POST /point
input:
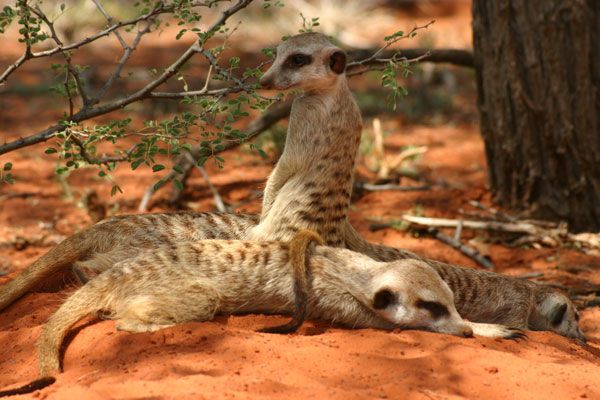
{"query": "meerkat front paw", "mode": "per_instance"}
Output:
(497, 331)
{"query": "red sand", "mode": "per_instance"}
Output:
(226, 358)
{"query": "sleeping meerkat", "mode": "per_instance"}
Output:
(194, 281)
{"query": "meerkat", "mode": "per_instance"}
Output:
(193, 281)
(309, 188)
(311, 184)
(120, 237)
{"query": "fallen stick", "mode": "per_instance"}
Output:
(389, 186)
(516, 227)
(469, 251)
(492, 211)
(530, 275)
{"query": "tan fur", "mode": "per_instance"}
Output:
(309, 188)
(302, 277)
(195, 280)
(114, 239)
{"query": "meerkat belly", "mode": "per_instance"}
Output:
(307, 201)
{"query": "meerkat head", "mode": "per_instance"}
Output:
(409, 293)
(557, 313)
(307, 61)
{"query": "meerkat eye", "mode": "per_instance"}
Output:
(299, 60)
(436, 309)
(383, 299)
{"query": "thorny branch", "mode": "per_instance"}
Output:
(90, 108)
(89, 112)
(28, 54)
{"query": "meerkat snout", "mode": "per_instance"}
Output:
(308, 61)
(411, 295)
(557, 313)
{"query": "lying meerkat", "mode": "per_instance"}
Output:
(311, 62)
(194, 281)
(120, 237)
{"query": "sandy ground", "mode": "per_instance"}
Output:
(226, 358)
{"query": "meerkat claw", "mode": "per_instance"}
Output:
(516, 334)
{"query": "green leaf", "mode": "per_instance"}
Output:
(159, 184)
(50, 150)
(177, 183)
(8, 166)
(158, 167)
(115, 189)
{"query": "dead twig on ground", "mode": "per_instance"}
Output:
(542, 232)
(469, 251)
(530, 275)
(388, 186)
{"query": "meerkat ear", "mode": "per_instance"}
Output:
(557, 314)
(337, 61)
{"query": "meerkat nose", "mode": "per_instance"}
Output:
(266, 82)
(467, 332)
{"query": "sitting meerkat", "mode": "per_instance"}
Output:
(194, 281)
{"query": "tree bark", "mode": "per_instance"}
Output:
(538, 75)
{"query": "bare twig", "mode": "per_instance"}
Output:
(458, 231)
(46, 53)
(376, 188)
(110, 21)
(463, 248)
(376, 55)
(530, 275)
(458, 57)
(493, 211)
(67, 56)
(128, 50)
(379, 64)
(90, 112)
(544, 232)
(219, 203)
(517, 227)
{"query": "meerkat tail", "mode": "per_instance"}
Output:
(32, 386)
(299, 248)
(86, 300)
(59, 257)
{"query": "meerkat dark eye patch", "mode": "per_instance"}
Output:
(557, 314)
(298, 60)
(436, 309)
(383, 299)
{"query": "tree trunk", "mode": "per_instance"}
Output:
(538, 78)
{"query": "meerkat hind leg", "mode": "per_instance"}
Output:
(151, 312)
